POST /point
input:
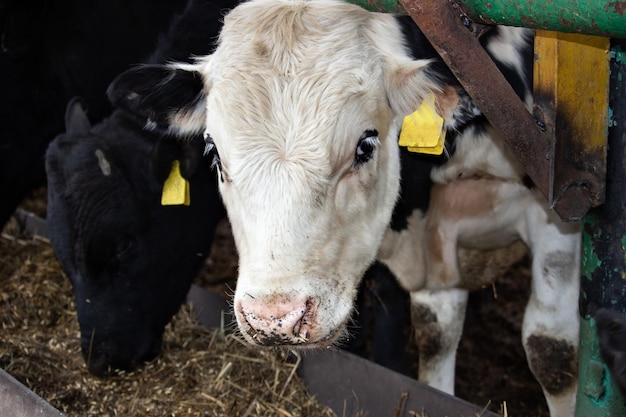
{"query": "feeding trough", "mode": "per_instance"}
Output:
(18, 401)
(349, 384)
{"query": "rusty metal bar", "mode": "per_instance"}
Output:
(487, 86)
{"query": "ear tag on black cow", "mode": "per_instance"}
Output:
(422, 131)
(175, 188)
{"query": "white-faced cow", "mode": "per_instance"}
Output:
(301, 105)
(130, 259)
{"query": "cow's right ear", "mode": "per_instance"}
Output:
(76, 120)
(187, 152)
(169, 99)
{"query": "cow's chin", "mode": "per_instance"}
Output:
(332, 340)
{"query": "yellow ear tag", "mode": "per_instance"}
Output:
(422, 131)
(175, 188)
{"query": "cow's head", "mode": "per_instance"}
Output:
(129, 259)
(301, 106)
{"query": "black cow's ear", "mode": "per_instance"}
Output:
(76, 120)
(168, 99)
(187, 152)
(165, 151)
(191, 157)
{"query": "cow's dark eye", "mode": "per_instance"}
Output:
(123, 248)
(210, 151)
(123, 252)
(368, 142)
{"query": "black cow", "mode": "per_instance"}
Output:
(131, 260)
(51, 51)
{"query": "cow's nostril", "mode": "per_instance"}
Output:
(301, 334)
(277, 320)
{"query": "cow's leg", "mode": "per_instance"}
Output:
(438, 317)
(551, 321)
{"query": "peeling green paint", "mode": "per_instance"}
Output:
(597, 395)
(604, 260)
(590, 260)
(591, 17)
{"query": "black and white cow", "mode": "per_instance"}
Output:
(301, 105)
(130, 259)
(51, 51)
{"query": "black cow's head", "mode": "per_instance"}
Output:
(130, 259)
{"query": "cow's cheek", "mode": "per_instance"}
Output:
(236, 218)
(364, 201)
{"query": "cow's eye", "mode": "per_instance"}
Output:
(123, 252)
(123, 248)
(368, 142)
(210, 151)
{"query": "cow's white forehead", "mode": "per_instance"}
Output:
(315, 77)
(271, 26)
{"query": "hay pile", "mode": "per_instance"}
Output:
(199, 373)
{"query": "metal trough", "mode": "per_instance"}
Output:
(348, 383)
(18, 401)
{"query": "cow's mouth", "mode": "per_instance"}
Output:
(296, 340)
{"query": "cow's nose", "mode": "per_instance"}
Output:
(278, 319)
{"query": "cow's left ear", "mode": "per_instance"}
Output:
(169, 99)
(408, 85)
(412, 82)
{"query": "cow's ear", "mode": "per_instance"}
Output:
(409, 84)
(413, 82)
(76, 120)
(192, 157)
(187, 152)
(169, 99)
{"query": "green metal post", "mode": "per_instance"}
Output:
(603, 280)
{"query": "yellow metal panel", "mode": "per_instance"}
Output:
(575, 68)
(571, 80)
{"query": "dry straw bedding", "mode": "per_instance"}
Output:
(201, 372)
